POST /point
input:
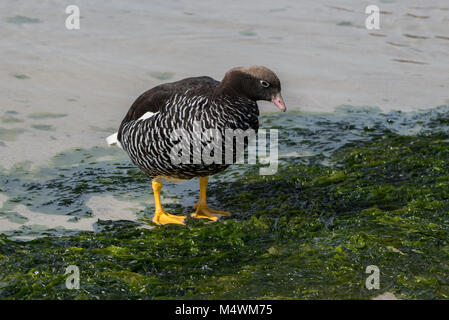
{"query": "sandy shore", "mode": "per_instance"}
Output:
(66, 89)
(321, 51)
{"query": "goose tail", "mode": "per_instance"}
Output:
(113, 141)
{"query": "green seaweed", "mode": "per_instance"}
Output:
(362, 197)
(248, 33)
(345, 24)
(46, 115)
(10, 119)
(162, 75)
(22, 20)
(10, 134)
(44, 127)
(20, 76)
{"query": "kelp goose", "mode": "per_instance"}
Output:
(146, 132)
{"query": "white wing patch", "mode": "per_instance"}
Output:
(112, 139)
(147, 115)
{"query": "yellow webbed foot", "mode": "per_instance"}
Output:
(162, 217)
(204, 212)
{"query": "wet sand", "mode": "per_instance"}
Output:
(64, 89)
(321, 51)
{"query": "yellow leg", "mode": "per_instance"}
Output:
(202, 210)
(160, 215)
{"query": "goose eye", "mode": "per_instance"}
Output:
(264, 84)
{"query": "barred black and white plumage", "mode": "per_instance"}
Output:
(148, 142)
(192, 104)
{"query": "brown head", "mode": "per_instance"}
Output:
(255, 83)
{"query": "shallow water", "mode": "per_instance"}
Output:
(64, 91)
(321, 51)
(79, 187)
